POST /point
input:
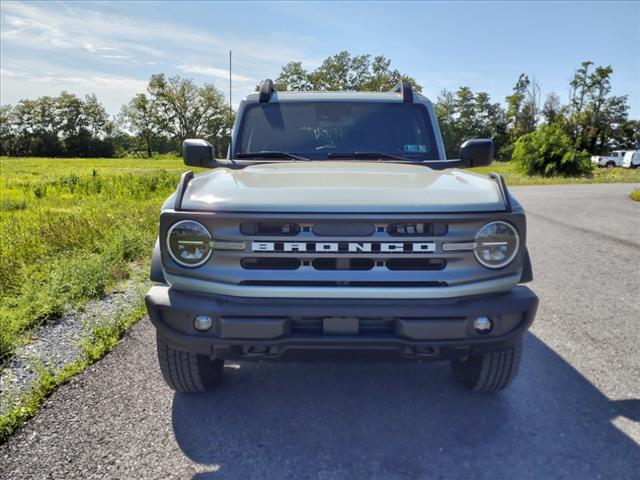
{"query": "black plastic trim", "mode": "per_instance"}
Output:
(405, 89)
(527, 272)
(266, 90)
(499, 179)
(185, 178)
(157, 274)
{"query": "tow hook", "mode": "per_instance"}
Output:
(258, 350)
(423, 351)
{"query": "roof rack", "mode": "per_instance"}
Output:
(405, 89)
(266, 90)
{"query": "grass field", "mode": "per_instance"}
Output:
(600, 175)
(70, 229)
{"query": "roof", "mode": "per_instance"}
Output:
(299, 96)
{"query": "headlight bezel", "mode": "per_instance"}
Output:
(510, 258)
(175, 258)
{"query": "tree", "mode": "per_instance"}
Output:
(594, 113)
(466, 115)
(549, 151)
(37, 125)
(580, 85)
(7, 130)
(445, 108)
(625, 136)
(138, 118)
(71, 113)
(55, 126)
(184, 110)
(552, 108)
(523, 107)
(343, 71)
(97, 119)
(293, 77)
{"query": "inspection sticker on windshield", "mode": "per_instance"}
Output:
(415, 148)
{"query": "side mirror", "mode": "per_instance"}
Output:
(477, 152)
(198, 153)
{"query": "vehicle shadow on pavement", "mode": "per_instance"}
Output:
(405, 420)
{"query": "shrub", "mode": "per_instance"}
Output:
(549, 152)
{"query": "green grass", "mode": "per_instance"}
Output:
(635, 195)
(69, 228)
(599, 175)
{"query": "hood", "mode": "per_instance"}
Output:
(339, 186)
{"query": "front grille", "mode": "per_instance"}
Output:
(343, 229)
(270, 263)
(354, 264)
(270, 228)
(392, 254)
(342, 263)
(343, 250)
(412, 264)
(418, 229)
(339, 283)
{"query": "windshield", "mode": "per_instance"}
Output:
(321, 130)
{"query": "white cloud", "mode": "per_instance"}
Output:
(117, 57)
(112, 91)
(214, 72)
(48, 47)
(44, 28)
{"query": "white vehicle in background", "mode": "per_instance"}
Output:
(631, 159)
(614, 160)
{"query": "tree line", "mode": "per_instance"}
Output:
(592, 122)
(157, 121)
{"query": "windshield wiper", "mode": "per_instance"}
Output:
(374, 155)
(270, 154)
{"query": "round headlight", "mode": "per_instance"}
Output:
(497, 244)
(189, 243)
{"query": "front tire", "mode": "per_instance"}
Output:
(610, 164)
(489, 372)
(188, 372)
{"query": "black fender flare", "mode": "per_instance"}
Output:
(156, 274)
(527, 272)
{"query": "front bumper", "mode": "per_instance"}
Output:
(269, 328)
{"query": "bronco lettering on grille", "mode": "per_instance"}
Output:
(345, 247)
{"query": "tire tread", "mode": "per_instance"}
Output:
(187, 372)
(490, 372)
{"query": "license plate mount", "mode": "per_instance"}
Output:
(341, 325)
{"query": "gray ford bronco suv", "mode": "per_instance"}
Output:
(336, 227)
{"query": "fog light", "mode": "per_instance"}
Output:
(202, 323)
(483, 325)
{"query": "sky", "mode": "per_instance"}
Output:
(112, 48)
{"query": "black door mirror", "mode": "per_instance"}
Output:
(198, 153)
(477, 152)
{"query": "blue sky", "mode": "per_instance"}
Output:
(111, 48)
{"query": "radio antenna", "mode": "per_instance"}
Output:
(230, 114)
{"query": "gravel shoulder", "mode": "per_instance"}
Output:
(58, 343)
(574, 411)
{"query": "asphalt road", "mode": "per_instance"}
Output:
(573, 412)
